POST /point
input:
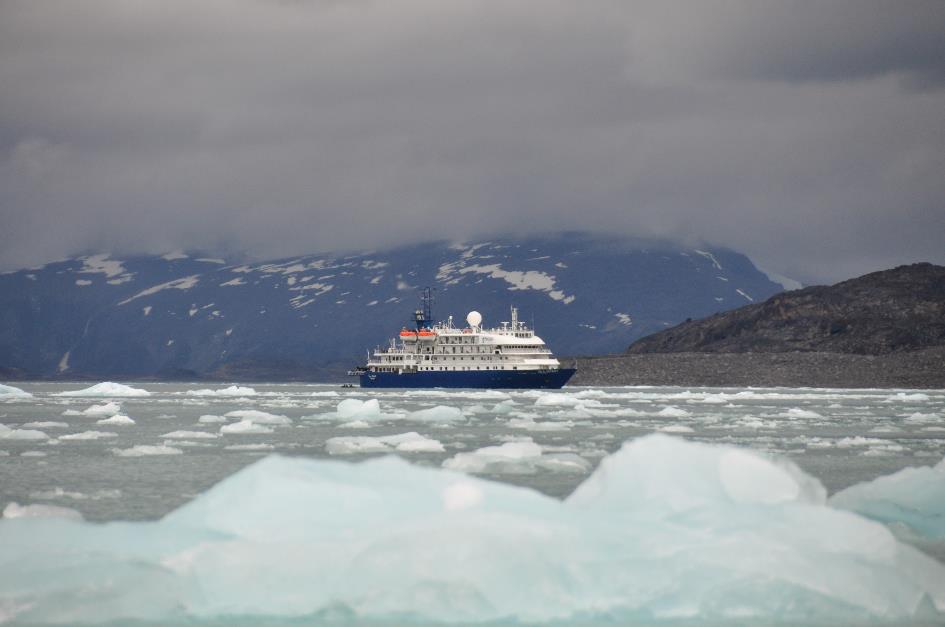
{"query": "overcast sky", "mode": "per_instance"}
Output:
(809, 135)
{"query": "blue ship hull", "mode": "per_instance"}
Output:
(490, 379)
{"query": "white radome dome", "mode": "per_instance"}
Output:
(474, 318)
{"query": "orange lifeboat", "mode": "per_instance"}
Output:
(406, 335)
(426, 335)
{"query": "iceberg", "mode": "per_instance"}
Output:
(663, 531)
(146, 450)
(106, 389)
(117, 419)
(8, 391)
(246, 427)
(439, 414)
(233, 390)
(105, 409)
(520, 456)
(6, 433)
(914, 497)
(259, 417)
(405, 443)
(15, 510)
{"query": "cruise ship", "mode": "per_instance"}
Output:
(439, 355)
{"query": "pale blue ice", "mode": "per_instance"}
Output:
(663, 530)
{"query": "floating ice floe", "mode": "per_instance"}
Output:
(671, 411)
(249, 447)
(326, 394)
(187, 435)
(404, 442)
(259, 417)
(246, 427)
(117, 419)
(906, 397)
(353, 408)
(6, 433)
(521, 456)
(89, 435)
(796, 412)
(922, 418)
(439, 414)
(107, 389)
(528, 423)
(60, 493)
(676, 429)
(10, 392)
(914, 497)
(233, 390)
(210, 419)
(147, 450)
(15, 510)
(663, 531)
(46, 424)
(105, 409)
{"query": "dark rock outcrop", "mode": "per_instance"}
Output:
(881, 313)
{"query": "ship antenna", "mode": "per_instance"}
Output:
(425, 313)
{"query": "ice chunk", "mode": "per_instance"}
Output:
(676, 429)
(117, 419)
(46, 424)
(15, 510)
(6, 433)
(327, 393)
(105, 409)
(210, 419)
(89, 435)
(8, 391)
(521, 456)
(796, 412)
(661, 532)
(353, 408)
(405, 442)
(106, 390)
(907, 397)
(913, 496)
(247, 427)
(259, 417)
(233, 390)
(146, 450)
(185, 435)
(249, 447)
(662, 474)
(672, 412)
(439, 413)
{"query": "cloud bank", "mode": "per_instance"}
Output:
(809, 135)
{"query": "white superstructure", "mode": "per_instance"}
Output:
(445, 348)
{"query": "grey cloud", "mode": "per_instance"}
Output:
(779, 129)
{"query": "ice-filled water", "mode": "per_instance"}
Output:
(302, 502)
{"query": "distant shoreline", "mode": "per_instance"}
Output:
(913, 369)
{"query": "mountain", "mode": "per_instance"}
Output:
(897, 310)
(313, 316)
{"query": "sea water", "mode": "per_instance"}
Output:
(166, 502)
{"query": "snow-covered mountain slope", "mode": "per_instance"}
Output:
(311, 317)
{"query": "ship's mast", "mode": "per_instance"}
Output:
(424, 315)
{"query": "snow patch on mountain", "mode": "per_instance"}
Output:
(178, 284)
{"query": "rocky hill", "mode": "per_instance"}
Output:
(886, 312)
(312, 317)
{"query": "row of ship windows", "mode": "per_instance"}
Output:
(382, 369)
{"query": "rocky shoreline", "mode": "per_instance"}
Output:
(912, 369)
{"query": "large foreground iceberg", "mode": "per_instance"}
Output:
(664, 530)
(914, 497)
